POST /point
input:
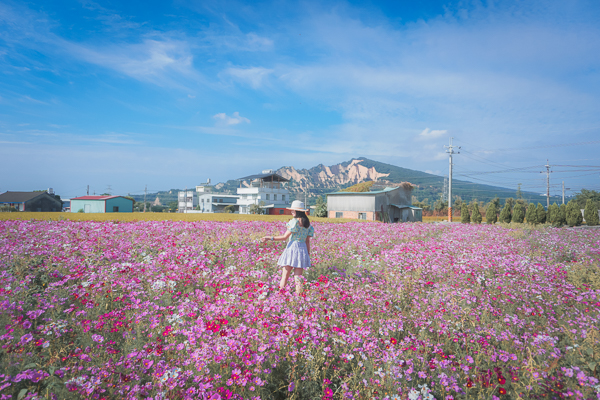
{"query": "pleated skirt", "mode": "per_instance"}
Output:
(295, 255)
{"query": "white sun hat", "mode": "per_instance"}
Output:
(297, 205)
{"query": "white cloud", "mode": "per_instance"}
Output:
(431, 134)
(254, 76)
(235, 119)
(258, 43)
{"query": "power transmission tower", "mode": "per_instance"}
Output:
(109, 189)
(445, 190)
(450, 151)
(145, 193)
(88, 190)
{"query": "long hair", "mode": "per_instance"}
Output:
(304, 221)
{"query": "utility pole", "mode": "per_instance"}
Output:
(450, 151)
(563, 190)
(145, 193)
(548, 184)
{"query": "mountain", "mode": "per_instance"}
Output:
(322, 179)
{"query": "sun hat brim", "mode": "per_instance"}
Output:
(297, 209)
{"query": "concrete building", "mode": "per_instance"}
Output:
(216, 202)
(31, 201)
(392, 204)
(101, 204)
(186, 201)
(266, 189)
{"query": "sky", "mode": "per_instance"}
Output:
(165, 94)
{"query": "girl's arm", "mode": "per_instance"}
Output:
(278, 238)
(308, 244)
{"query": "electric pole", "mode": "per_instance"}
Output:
(548, 185)
(145, 193)
(563, 191)
(450, 151)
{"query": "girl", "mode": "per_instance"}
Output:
(296, 256)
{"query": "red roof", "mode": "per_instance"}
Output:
(94, 197)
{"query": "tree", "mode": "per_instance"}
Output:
(491, 214)
(518, 214)
(173, 205)
(505, 215)
(157, 208)
(230, 209)
(562, 215)
(582, 197)
(359, 187)
(591, 213)
(531, 215)
(476, 216)
(540, 214)
(464, 214)
(553, 211)
(574, 217)
(320, 208)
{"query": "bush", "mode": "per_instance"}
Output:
(465, 218)
(505, 214)
(591, 213)
(531, 215)
(80, 210)
(491, 214)
(552, 214)
(518, 215)
(562, 215)
(573, 217)
(540, 214)
(476, 217)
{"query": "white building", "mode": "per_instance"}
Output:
(216, 202)
(187, 201)
(265, 190)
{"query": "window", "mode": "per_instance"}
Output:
(362, 215)
(283, 197)
(280, 211)
(339, 214)
(267, 196)
(274, 197)
(244, 196)
(220, 200)
(255, 196)
(115, 208)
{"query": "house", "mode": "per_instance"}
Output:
(265, 190)
(216, 202)
(101, 204)
(31, 201)
(391, 204)
(186, 201)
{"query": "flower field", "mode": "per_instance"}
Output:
(187, 310)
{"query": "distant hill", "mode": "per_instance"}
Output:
(321, 179)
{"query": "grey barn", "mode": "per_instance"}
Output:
(392, 204)
(31, 201)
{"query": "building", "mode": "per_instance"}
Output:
(186, 201)
(31, 201)
(265, 190)
(101, 204)
(391, 204)
(216, 202)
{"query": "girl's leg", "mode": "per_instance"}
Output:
(285, 274)
(299, 280)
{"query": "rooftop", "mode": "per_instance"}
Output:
(19, 197)
(95, 197)
(387, 189)
(271, 177)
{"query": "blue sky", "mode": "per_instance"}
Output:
(170, 93)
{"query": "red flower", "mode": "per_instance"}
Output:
(393, 341)
(502, 391)
(328, 392)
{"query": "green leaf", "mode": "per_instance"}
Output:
(30, 365)
(592, 365)
(22, 394)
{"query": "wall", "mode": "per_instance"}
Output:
(349, 202)
(125, 205)
(96, 206)
(43, 203)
